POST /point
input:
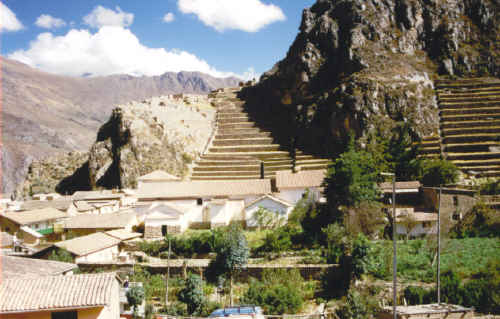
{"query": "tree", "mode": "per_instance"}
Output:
(352, 179)
(268, 219)
(408, 222)
(192, 294)
(232, 255)
(438, 172)
(354, 307)
(135, 296)
(61, 255)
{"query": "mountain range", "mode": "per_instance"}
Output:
(45, 114)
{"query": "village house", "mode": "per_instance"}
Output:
(199, 204)
(97, 247)
(44, 197)
(31, 226)
(292, 187)
(92, 296)
(415, 224)
(6, 241)
(22, 267)
(85, 224)
(276, 206)
(118, 198)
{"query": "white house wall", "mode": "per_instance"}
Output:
(106, 254)
(293, 195)
(269, 205)
(418, 230)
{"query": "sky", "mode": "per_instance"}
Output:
(101, 37)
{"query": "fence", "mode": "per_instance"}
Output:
(326, 315)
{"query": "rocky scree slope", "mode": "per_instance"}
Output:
(45, 114)
(162, 133)
(367, 67)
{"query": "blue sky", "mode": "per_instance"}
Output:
(103, 37)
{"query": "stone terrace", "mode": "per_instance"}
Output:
(469, 126)
(238, 146)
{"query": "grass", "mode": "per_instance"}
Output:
(416, 258)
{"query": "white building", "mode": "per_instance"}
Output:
(415, 224)
(278, 207)
(293, 186)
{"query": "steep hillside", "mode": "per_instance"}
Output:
(367, 67)
(160, 133)
(45, 114)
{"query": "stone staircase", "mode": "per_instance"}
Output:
(239, 149)
(469, 126)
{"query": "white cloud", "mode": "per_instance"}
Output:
(48, 22)
(245, 15)
(101, 16)
(8, 19)
(250, 74)
(169, 17)
(111, 50)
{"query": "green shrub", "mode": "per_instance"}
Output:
(438, 172)
(355, 307)
(480, 221)
(279, 292)
(277, 241)
(192, 294)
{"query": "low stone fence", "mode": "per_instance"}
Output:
(326, 315)
(183, 266)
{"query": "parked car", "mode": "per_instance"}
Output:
(243, 312)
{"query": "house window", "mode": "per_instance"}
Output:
(36, 226)
(455, 200)
(163, 230)
(456, 216)
(199, 201)
(426, 224)
(64, 315)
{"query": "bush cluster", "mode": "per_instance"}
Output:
(278, 292)
(481, 292)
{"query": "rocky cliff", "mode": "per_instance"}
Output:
(45, 114)
(163, 133)
(367, 67)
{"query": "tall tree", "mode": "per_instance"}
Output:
(232, 255)
(192, 294)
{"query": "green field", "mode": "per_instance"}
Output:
(417, 258)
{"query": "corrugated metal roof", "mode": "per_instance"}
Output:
(309, 178)
(56, 292)
(386, 187)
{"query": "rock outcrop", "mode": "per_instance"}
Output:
(164, 133)
(365, 67)
(44, 114)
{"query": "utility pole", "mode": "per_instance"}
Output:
(394, 254)
(168, 272)
(439, 247)
(394, 261)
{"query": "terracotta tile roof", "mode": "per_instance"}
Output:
(197, 189)
(85, 245)
(21, 267)
(35, 216)
(279, 200)
(310, 178)
(56, 292)
(101, 221)
(158, 176)
(123, 234)
(400, 186)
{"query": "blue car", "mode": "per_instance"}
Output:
(239, 311)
